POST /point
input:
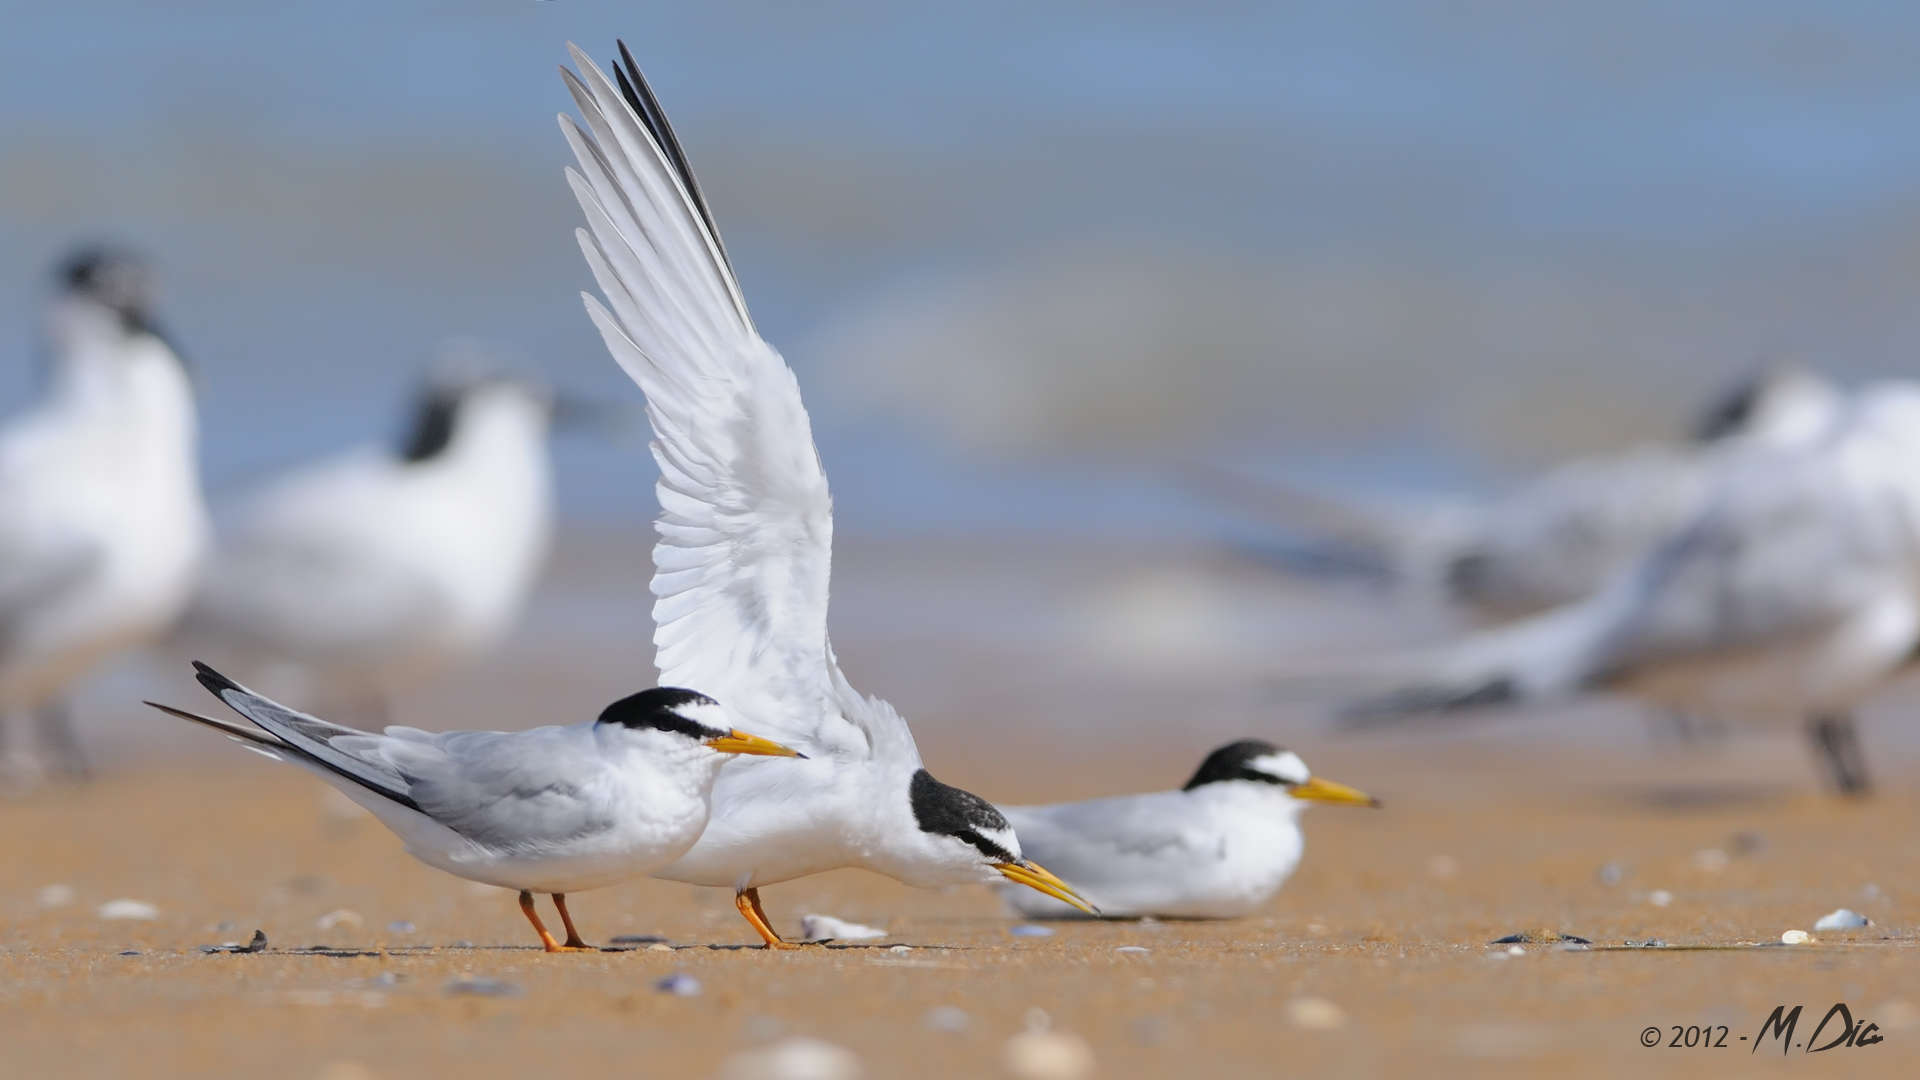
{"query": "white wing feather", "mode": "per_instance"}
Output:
(746, 525)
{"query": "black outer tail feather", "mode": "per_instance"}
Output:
(219, 684)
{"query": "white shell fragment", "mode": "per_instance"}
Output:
(1042, 1054)
(1315, 1014)
(796, 1058)
(52, 896)
(340, 917)
(127, 909)
(1842, 919)
(828, 928)
(1795, 937)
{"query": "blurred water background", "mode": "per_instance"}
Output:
(1027, 259)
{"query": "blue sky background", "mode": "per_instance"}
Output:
(1024, 257)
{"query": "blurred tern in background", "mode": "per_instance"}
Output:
(1218, 848)
(1562, 536)
(551, 810)
(102, 524)
(745, 542)
(1793, 592)
(380, 569)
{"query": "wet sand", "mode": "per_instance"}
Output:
(1572, 820)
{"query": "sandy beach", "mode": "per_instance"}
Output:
(1375, 959)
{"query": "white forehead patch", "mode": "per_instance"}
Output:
(705, 714)
(1284, 766)
(1002, 837)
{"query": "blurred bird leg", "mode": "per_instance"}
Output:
(70, 761)
(1838, 744)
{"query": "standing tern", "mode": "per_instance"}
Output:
(552, 810)
(1218, 848)
(1793, 592)
(745, 542)
(379, 569)
(1560, 537)
(102, 524)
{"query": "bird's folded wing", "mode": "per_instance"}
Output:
(507, 791)
(746, 527)
(1108, 841)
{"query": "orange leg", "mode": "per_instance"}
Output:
(748, 903)
(574, 941)
(546, 939)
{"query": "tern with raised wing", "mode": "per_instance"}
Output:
(745, 540)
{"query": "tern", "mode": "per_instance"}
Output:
(379, 569)
(1793, 591)
(102, 523)
(553, 810)
(1561, 536)
(745, 541)
(1218, 848)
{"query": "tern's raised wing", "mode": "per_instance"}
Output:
(746, 525)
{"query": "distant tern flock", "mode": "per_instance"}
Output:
(1771, 567)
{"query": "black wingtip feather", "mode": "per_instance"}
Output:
(640, 98)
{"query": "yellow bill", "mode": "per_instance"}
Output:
(1319, 790)
(739, 742)
(1037, 877)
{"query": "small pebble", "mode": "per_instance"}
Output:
(340, 917)
(481, 986)
(1030, 930)
(899, 948)
(258, 944)
(127, 909)
(947, 1018)
(679, 984)
(1132, 949)
(55, 895)
(129, 952)
(1842, 919)
(1040, 1054)
(659, 946)
(1659, 898)
(796, 1058)
(1746, 843)
(400, 926)
(1516, 950)
(1315, 1014)
(1610, 874)
(1647, 943)
(636, 939)
(1795, 937)
(828, 928)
